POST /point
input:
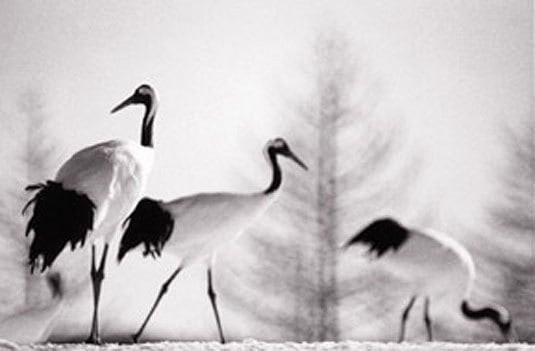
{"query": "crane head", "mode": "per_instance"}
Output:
(144, 94)
(280, 147)
(505, 323)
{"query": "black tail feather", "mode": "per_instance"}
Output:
(59, 217)
(32, 187)
(381, 235)
(501, 317)
(149, 224)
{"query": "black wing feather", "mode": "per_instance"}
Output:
(149, 224)
(59, 217)
(380, 236)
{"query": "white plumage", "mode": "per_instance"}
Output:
(193, 228)
(113, 175)
(205, 222)
(432, 264)
(93, 192)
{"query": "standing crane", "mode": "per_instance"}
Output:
(93, 191)
(432, 262)
(192, 228)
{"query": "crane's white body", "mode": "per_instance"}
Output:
(102, 184)
(193, 228)
(430, 263)
(205, 222)
(113, 175)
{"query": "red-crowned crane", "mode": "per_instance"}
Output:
(94, 191)
(192, 228)
(432, 262)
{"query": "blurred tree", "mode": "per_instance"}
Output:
(32, 158)
(513, 216)
(356, 152)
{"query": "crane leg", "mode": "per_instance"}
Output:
(404, 317)
(212, 295)
(427, 320)
(163, 291)
(97, 276)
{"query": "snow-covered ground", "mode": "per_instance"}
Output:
(252, 345)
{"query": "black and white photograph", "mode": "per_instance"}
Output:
(243, 175)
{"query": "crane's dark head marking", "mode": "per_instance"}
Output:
(497, 314)
(380, 236)
(144, 94)
(59, 217)
(279, 146)
(149, 224)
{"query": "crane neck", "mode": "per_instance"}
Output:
(276, 180)
(497, 314)
(148, 122)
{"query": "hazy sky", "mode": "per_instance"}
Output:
(454, 68)
(457, 70)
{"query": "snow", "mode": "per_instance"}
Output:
(253, 345)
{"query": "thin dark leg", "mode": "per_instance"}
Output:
(404, 317)
(97, 276)
(427, 320)
(163, 291)
(213, 297)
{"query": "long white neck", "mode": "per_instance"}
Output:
(462, 253)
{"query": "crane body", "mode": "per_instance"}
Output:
(195, 227)
(431, 264)
(91, 195)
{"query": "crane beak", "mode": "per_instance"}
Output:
(127, 102)
(292, 156)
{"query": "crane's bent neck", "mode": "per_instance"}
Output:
(462, 254)
(276, 180)
(148, 122)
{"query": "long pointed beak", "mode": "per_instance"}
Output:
(128, 101)
(298, 161)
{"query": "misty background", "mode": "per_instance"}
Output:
(418, 109)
